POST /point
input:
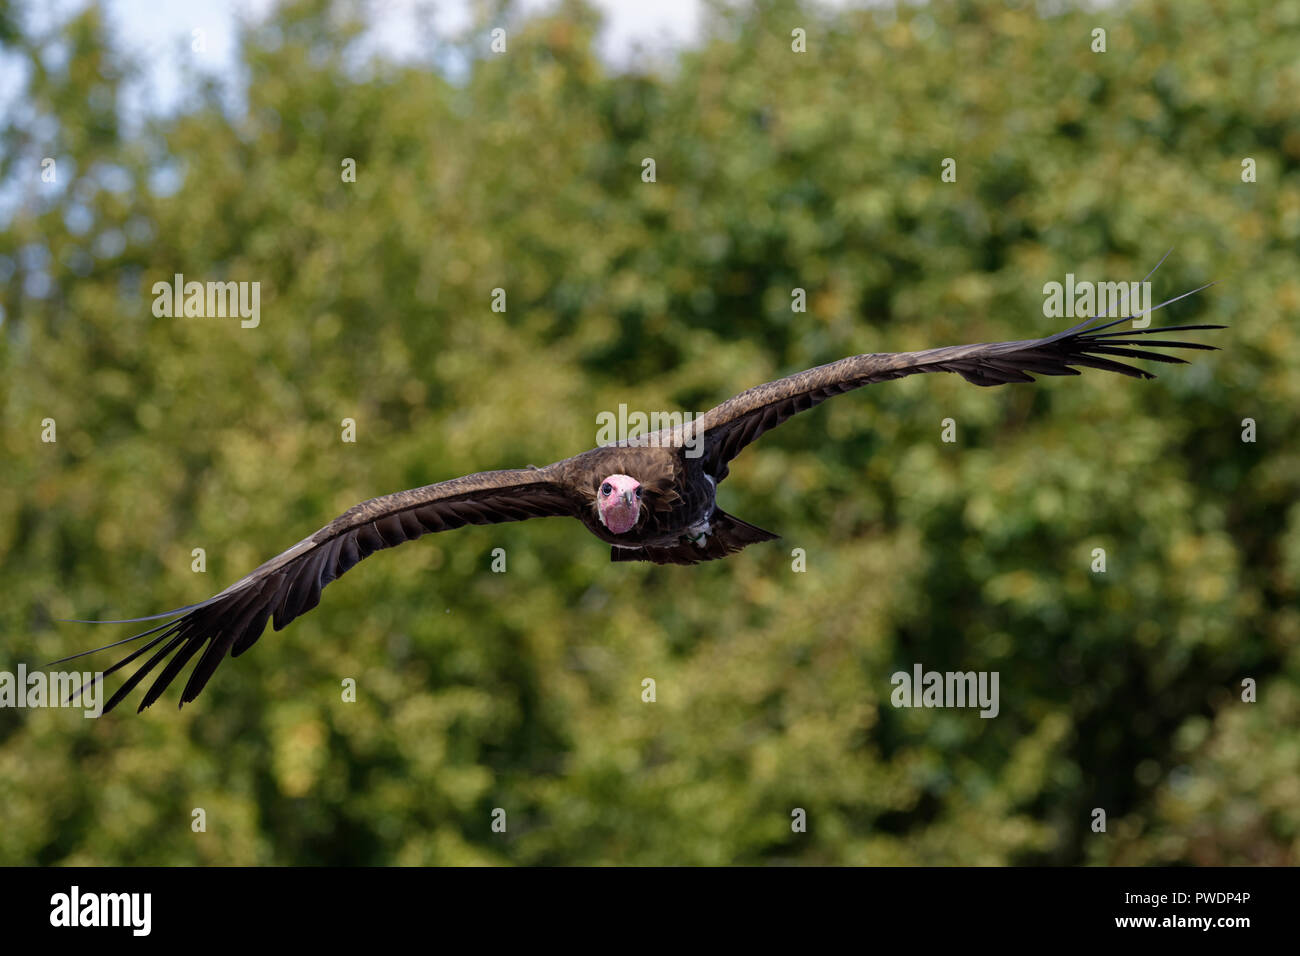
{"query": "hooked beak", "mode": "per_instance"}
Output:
(629, 497)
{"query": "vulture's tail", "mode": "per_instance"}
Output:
(727, 535)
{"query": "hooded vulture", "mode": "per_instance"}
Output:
(646, 496)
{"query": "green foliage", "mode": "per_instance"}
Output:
(523, 690)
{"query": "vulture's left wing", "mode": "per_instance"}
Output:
(735, 423)
(290, 583)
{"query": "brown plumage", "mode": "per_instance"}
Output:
(677, 520)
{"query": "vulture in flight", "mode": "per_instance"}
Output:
(646, 497)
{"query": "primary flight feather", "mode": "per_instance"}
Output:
(646, 497)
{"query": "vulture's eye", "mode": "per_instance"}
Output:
(638, 492)
(606, 488)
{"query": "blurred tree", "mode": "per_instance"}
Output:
(522, 691)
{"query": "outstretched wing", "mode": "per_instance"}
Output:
(290, 583)
(731, 426)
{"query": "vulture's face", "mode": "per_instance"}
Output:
(618, 501)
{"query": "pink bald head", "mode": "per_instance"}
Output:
(618, 501)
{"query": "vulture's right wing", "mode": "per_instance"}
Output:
(290, 583)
